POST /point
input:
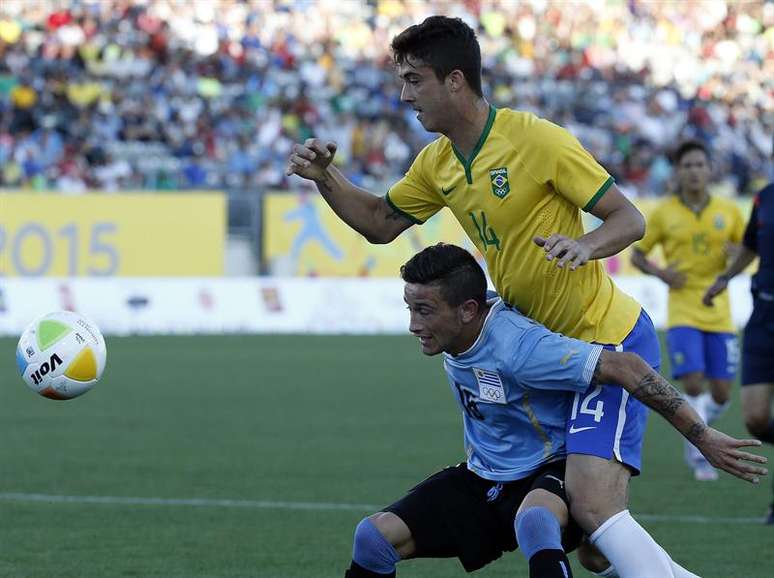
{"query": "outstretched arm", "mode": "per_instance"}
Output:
(631, 372)
(369, 215)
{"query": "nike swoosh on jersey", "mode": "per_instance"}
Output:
(449, 190)
(574, 429)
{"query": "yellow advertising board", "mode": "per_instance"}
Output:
(303, 237)
(133, 234)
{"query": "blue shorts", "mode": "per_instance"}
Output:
(758, 345)
(605, 421)
(716, 355)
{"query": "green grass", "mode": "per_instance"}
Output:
(354, 420)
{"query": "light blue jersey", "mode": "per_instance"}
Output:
(514, 386)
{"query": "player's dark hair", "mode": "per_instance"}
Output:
(444, 44)
(452, 268)
(687, 147)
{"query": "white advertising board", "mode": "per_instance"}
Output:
(126, 306)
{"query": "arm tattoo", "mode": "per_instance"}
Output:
(696, 432)
(658, 394)
(654, 391)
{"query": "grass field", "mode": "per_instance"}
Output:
(287, 442)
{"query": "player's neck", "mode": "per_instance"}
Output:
(471, 333)
(695, 200)
(469, 123)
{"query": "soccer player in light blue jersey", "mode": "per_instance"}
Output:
(513, 380)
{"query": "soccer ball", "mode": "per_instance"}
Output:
(61, 355)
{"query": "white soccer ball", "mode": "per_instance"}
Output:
(61, 355)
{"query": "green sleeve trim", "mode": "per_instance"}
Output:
(395, 208)
(598, 195)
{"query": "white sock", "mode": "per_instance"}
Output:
(678, 570)
(630, 549)
(698, 403)
(713, 409)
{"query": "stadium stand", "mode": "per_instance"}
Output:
(111, 95)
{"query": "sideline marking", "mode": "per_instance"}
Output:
(284, 505)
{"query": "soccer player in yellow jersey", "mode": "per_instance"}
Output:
(517, 184)
(696, 231)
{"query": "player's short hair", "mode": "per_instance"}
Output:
(687, 147)
(452, 268)
(444, 44)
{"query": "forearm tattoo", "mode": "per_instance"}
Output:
(696, 432)
(660, 395)
(654, 391)
(657, 393)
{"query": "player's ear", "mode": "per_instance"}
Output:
(455, 80)
(469, 310)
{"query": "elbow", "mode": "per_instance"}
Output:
(638, 226)
(637, 258)
(380, 237)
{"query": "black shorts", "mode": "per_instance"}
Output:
(456, 513)
(758, 344)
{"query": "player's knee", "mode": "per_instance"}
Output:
(391, 527)
(537, 528)
(693, 383)
(589, 511)
(372, 549)
(721, 396)
(721, 391)
(597, 489)
(591, 558)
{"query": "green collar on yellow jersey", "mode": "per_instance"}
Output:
(467, 164)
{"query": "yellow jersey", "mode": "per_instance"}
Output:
(696, 245)
(526, 177)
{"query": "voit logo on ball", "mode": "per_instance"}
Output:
(61, 355)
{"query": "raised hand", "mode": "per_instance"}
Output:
(309, 160)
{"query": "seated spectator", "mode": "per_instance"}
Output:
(213, 93)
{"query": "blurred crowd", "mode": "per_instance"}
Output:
(170, 94)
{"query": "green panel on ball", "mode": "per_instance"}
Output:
(49, 332)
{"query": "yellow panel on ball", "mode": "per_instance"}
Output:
(83, 367)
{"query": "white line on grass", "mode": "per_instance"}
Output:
(198, 502)
(280, 505)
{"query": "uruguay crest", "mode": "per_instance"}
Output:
(500, 184)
